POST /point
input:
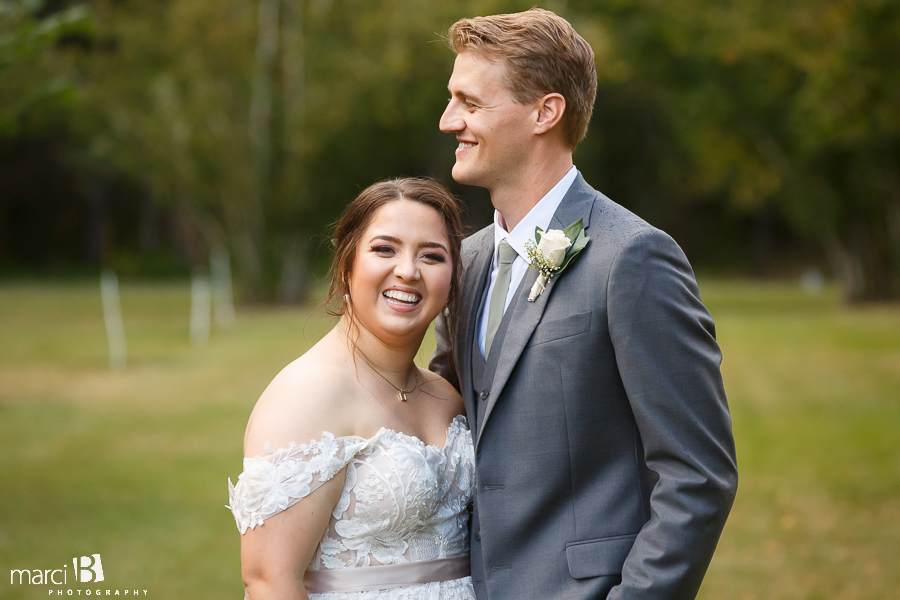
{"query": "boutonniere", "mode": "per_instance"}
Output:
(551, 253)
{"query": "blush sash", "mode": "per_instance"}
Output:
(380, 577)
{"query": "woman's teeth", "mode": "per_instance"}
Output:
(463, 145)
(402, 296)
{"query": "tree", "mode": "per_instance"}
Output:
(32, 80)
(261, 122)
(788, 107)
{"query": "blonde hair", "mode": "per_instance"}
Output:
(543, 53)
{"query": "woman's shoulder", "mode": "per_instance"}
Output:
(309, 397)
(438, 387)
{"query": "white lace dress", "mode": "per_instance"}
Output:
(403, 502)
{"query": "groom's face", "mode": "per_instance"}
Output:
(494, 132)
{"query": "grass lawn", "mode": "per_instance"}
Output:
(133, 465)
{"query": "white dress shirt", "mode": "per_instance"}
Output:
(539, 216)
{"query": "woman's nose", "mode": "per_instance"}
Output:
(407, 268)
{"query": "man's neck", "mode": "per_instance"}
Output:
(515, 200)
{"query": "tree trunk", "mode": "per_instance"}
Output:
(864, 264)
(251, 248)
(294, 269)
(294, 200)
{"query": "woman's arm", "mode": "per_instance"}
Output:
(303, 401)
(275, 555)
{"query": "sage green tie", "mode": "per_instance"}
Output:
(498, 296)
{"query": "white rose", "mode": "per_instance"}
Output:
(553, 245)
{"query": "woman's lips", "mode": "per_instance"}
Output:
(402, 301)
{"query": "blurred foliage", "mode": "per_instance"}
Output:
(251, 125)
(32, 86)
(785, 105)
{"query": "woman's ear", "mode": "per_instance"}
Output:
(550, 111)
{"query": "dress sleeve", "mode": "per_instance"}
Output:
(276, 482)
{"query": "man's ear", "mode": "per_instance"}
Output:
(550, 111)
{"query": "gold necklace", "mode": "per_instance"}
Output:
(400, 392)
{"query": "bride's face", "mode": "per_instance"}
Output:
(401, 275)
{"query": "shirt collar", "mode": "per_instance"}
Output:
(540, 215)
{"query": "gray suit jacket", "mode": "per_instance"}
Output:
(605, 463)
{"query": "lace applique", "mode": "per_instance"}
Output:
(274, 483)
(402, 500)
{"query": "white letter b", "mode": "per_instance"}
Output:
(91, 569)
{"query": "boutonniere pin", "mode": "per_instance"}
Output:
(552, 251)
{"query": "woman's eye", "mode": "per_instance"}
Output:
(434, 257)
(382, 249)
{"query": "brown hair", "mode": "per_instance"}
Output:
(359, 215)
(543, 53)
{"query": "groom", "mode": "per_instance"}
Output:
(605, 463)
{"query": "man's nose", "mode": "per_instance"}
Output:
(451, 120)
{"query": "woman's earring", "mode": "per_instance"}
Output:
(346, 298)
(446, 311)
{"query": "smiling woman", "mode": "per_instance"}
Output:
(361, 214)
(401, 272)
(376, 502)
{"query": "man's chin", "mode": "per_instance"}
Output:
(464, 176)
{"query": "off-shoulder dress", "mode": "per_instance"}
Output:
(400, 528)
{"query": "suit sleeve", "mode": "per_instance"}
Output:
(442, 361)
(668, 359)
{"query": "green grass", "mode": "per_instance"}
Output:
(132, 465)
(814, 390)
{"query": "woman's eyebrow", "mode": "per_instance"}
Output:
(387, 238)
(433, 245)
(399, 242)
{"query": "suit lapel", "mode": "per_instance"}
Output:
(473, 289)
(576, 204)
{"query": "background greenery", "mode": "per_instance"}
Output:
(140, 135)
(133, 464)
(134, 134)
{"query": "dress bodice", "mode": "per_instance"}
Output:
(403, 501)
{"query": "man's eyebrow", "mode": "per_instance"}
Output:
(466, 96)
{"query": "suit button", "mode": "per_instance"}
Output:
(485, 395)
(478, 536)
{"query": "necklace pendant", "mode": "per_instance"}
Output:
(402, 395)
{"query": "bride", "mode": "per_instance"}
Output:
(358, 465)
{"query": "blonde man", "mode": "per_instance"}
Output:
(605, 461)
